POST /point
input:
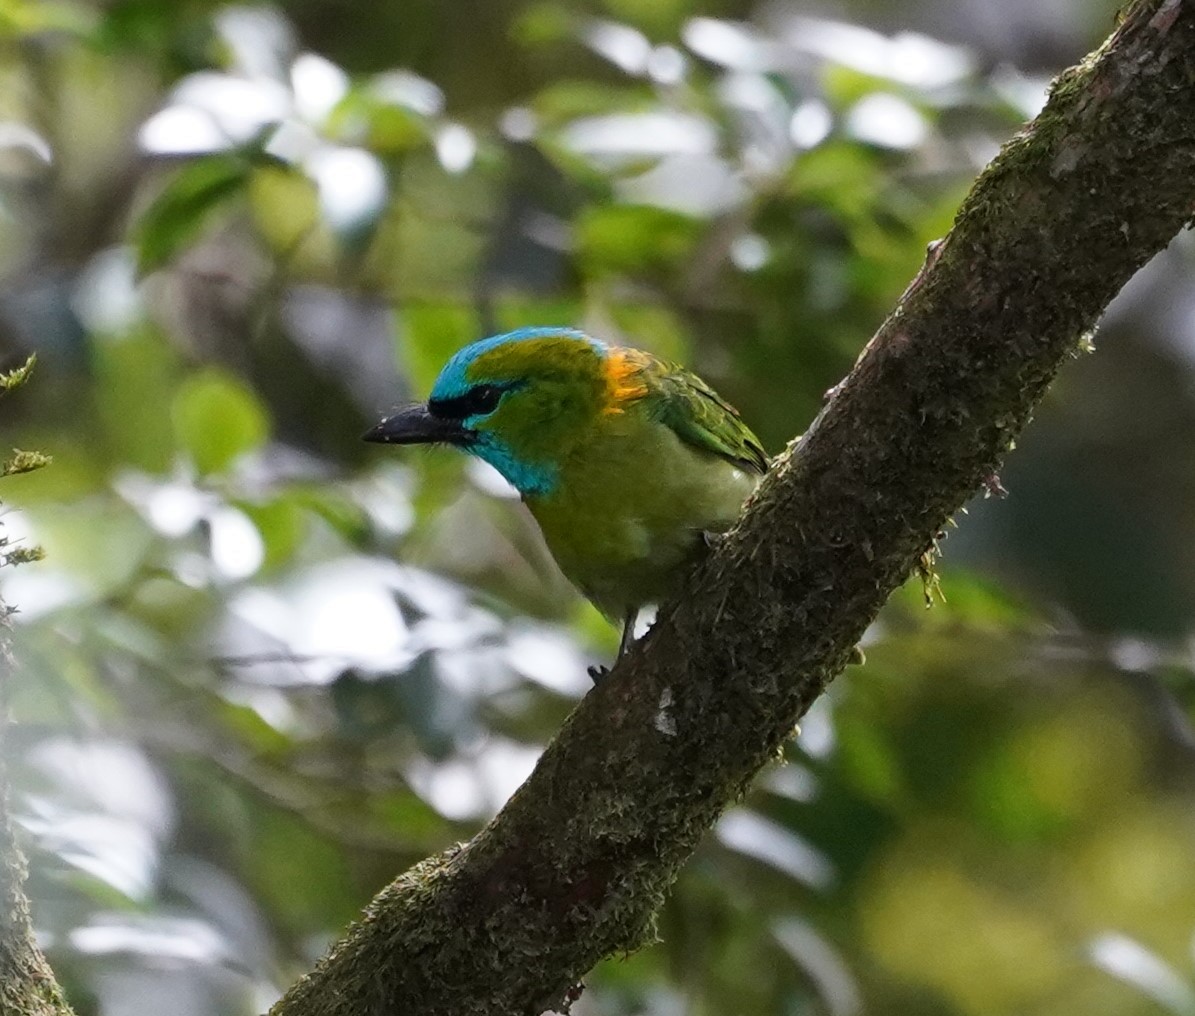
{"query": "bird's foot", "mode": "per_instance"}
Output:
(597, 673)
(712, 540)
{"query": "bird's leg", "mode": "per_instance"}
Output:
(628, 633)
(598, 673)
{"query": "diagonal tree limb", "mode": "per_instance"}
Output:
(576, 864)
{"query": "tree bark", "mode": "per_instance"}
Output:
(576, 864)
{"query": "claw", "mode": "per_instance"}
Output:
(712, 540)
(598, 673)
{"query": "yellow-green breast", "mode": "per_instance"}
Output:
(632, 504)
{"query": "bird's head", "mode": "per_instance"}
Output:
(520, 401)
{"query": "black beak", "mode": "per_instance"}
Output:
(415, 425)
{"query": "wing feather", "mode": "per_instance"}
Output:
(699, 416)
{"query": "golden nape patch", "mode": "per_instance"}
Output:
(624, 378)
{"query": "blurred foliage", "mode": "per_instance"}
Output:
(265, 667)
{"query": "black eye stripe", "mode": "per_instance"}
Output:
(478, 400)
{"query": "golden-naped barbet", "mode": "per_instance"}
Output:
(628, 463)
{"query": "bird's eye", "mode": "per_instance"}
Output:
(483, 399)
(477, 401)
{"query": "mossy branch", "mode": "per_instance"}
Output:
(576, 864)
(27, 984)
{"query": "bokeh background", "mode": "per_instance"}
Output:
(264, 666)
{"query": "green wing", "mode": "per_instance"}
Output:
(701, 417)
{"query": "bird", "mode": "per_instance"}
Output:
(631, 465)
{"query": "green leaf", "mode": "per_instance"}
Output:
(184, 206)
(217, 418)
